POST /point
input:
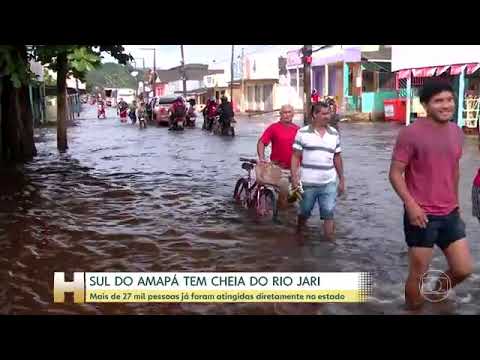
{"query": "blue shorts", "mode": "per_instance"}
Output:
(325, 195)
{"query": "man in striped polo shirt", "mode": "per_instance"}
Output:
(316, 163)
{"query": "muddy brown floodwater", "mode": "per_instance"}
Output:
(122, 199)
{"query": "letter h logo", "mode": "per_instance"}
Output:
(77, 287)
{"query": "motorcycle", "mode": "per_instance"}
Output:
(224, 128)
(177, 124)
(229, 128)
(101, 112)
(132, 116)
(142, 122)
(190, 120)
(123, 115)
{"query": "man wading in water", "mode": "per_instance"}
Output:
(428, 153)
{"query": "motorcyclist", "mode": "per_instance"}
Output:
(210, 112)
(100, 108)
(149, 110)
(315, 96)
(191, 112)
(335, 117)
(204, 113)
(141, 115)
(132, 114)
(122, 110)
(225, 110)
(177, 110)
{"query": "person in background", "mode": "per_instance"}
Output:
(132, 114)
(315, 96)
(177, 110)
(142, 115)
(225, 111)
(210, 112)
(334, 116)
(122, 110)
(476, 196)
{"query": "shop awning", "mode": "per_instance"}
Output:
(457, 69)
(442, 69)
(404, 74)
(439, 70)
(471, 68)
(424, 72)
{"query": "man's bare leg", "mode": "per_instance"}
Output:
(329, 229)
(283, 193)
(460, 263)
(419, 260)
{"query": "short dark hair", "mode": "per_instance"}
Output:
(317, 106)
(433, 87)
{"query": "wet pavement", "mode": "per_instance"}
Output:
(125, 199)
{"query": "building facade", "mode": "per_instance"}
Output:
(457, 64)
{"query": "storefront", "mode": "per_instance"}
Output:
(358, 77)
(465, 80)
(457, 64)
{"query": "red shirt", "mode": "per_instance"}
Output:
(432, 154)
(282, 137)
(476, 182)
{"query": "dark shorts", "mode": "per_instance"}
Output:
(441, 231)
(476, 201)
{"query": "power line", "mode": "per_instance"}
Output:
(266, 47)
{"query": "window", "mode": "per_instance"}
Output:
(257, 94)
(293, 78)
(250, 94)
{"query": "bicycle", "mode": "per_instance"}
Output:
(250, 194)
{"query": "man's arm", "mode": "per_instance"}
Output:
(397, 169)
(261, 150)
(457, 180)
(338, 163)
(295, 167)
(416, 214)
(264, 141)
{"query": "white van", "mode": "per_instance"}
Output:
(128, 95)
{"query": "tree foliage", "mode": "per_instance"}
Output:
(81, 58)
(14, 65)
(111, 75)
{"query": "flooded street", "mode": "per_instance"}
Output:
(124, 199)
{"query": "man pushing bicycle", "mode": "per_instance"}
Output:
(281, 135)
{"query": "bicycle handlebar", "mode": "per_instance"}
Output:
(251, 161)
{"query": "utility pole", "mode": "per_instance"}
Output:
(243, 84)
(184, 75)
(154, 67)
(77, 99)
(231, 76)
(154, 78)
(307, 91)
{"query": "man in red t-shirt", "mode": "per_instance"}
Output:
(428, 153)
(282, 136)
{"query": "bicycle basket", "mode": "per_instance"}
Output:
(268, 173)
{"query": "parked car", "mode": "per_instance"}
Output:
(161, 106)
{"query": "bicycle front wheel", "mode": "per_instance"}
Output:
(267, 204)
(241, 193)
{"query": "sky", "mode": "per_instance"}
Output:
(168, 56)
